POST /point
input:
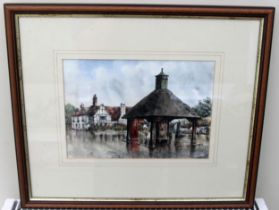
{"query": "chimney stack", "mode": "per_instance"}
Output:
(94, 102)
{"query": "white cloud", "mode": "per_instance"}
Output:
(115, 82)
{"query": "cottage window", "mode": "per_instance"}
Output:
(103, 117)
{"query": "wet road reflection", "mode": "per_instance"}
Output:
(112, 144)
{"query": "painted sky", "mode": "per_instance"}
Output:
(123, 81)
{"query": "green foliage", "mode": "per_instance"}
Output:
(203, 108)
(69, 111)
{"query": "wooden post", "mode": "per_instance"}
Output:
(195, 131)
(157, 130)
(151, 135)
(177, 129)
(168, 132)
(193, 137)
(128, 131)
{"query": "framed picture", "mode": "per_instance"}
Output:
(133, 106)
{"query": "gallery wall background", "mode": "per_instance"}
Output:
(268, 182)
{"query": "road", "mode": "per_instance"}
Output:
(111, 144)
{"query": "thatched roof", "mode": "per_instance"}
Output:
(161, 103)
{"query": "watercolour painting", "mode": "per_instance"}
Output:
(137, 108)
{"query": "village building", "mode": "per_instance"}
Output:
(159, 108)
(98, 115)
(102, 116)
(80, 119)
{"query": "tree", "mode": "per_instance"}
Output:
(69, 111)
(204, 107)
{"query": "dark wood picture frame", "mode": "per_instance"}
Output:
(11, 10)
